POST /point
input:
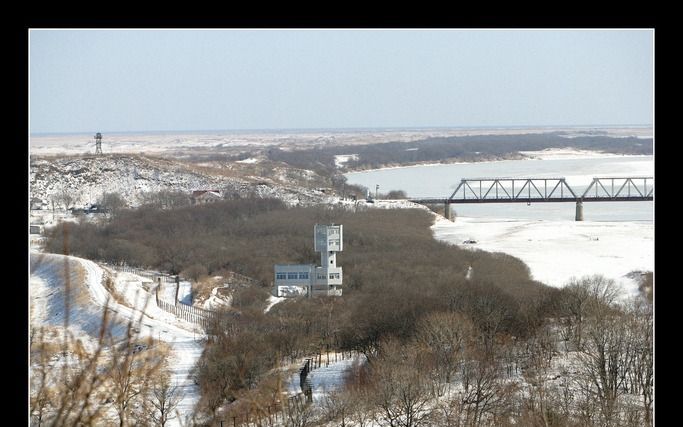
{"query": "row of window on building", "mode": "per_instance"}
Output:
(302, 276)
(292, 276)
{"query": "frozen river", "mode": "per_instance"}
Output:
(615, 239)
(440, 181)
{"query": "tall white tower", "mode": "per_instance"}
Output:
(327, 279)
(292, 280)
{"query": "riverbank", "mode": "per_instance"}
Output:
(557, 251)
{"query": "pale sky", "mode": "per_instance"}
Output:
(147, 80)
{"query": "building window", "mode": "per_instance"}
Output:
(292, 276)
(321, 276)
(303, 275)
(280, 276)
(334, 275)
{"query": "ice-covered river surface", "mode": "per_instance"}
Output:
(615, 238)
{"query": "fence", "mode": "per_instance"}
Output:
(189, 313)
(276, 414)
(296, 406)
(166, 278)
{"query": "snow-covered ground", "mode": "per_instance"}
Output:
(89, 296)
(326, 378)
(272, 300)
(86, 179)
(249, 161)
(330, 378)
(556, 251)
(216, 301)
(165, 141)
(566, 153)
(341, 159)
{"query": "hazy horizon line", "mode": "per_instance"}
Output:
(347, 129)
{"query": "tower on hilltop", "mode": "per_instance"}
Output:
(98, 143)
(328, 241)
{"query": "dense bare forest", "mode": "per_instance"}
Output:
(461, 148)
(440, 348)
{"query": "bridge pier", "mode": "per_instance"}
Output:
(579, 210)
(447, 211)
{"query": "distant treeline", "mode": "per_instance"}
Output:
(463, 148)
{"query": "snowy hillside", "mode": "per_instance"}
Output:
(88, 296)
(87, 178)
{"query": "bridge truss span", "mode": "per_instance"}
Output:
(501, 190)
(533, 190)
(615, 188)
(515, 190)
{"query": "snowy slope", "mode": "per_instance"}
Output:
(87, 178)
(46, 290)
(324, 379)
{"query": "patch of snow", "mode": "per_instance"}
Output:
(331, 378)
(326, 378)
(341, 159)
(291, 290)
(556, 251)
(272, 301)
(566, 154)
(250, 160)
(185, 292)
(216, 301)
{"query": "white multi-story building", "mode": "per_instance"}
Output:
(309, 279)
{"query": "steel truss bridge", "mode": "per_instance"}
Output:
(543, 190)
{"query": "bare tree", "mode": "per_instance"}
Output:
(644, 361)
(400, 388)
(583, 296)
(112, 203)
(164, 398)
(338, 406)
(484, 392)
(607, 354)
(65, 197)
(299, 413)
(130, 375)
(444, 336)
(361, 411)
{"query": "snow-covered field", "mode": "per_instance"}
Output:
(566, 153)
(89, 296)
(556, 251)
(156, 142)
